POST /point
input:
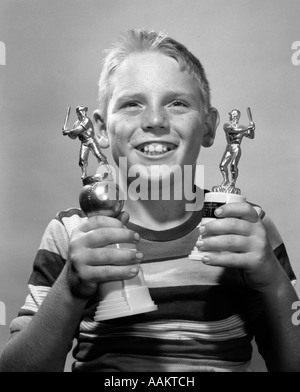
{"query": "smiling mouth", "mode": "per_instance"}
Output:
(156, 148)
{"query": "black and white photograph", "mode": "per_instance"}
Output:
(150, 185)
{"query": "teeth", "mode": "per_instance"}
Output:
(155, 148)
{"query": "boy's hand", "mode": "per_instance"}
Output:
(242, 240)
(92, 260)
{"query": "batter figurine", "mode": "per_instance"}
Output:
(229, 163)
(84, 130)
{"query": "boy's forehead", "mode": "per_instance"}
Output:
(151, 67)
(147, 57)
(139, 63)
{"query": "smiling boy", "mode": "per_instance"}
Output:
(155, 110)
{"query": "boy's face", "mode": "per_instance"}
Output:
(154, 115)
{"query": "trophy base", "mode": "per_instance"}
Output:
(212, 201)
(124, 298)
(226, 189)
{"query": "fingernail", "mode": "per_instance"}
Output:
(205, 260)
(139, 256)
(200, 243)
(134, 270)
(136, 237)
(202, 229)
(218, 211)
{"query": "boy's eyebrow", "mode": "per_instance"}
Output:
(129, 94)
(181, 94)
(168, 94)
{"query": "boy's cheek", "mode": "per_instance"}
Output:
(118, 128)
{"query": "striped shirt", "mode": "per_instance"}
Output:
(206, 316)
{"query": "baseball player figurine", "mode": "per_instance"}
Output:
(84, 130)
(229, 163)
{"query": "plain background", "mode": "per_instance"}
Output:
(53, 56)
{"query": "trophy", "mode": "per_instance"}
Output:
(227, 191)
(100, 196)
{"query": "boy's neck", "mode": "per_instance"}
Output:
(157, 207)
(159, 215)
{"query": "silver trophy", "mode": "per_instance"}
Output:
(227, 191)
(100, 196)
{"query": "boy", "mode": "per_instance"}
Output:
(155, 110)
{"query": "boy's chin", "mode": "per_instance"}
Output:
(158, 175)
(157, 180)
(152, 186)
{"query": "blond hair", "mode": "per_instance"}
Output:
(133, 41)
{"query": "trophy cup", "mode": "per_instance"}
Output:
(226, 192)
(100, 196)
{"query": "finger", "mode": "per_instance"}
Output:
(109, 235)
(237, 210)
(113, 256)
(224, 243)
(225, 226)
(110, 273)
(230, 260)
(123, 217)
(98, 221)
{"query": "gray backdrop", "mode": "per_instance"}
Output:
(53, 55)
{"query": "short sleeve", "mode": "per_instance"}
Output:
(278, 247)
(48, 264)
(261, 332)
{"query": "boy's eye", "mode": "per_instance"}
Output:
(130, 104)
(179, 102)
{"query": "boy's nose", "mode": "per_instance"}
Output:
(155, 118)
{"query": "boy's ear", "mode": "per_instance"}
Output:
(100, 128)
(212, 121)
